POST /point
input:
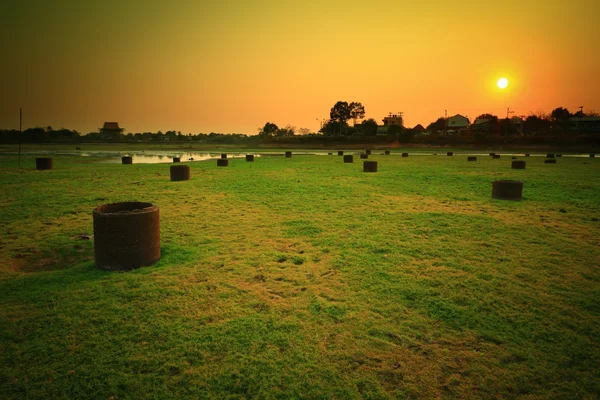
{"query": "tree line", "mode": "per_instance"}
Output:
(558, 123)
(49, 135)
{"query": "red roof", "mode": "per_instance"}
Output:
(111, 125)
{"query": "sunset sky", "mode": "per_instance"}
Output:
(230, 66)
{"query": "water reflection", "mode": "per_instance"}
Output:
(154, 158)
(162, 156)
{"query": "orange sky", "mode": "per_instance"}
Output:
(230, 66)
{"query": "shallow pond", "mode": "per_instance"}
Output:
(160, 156)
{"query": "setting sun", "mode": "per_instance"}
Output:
(502, 83)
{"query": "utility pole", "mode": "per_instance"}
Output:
(20, 131)
(507, 122)
(580, 118)
(445, 122)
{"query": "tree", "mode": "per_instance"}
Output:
(405, 135)
(535, 124)
(304, 131)
(436, 126)
(369, 127)
(286, 132)
(485, 128)
(340, 112)
(394, 130)
(270, 129)
(357, 111)
(560, 115)
(490, 117)
(592, 113)
(332, 128)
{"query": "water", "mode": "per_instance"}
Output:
(161, 156)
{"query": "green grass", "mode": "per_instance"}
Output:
(305, 278)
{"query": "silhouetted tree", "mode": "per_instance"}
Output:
(405, 135)
(369, 127)
(534, 124)
(333, 128)
(560, 114)
(286, 132)
(436, 126)
(340, 112)
(357, 111)
(394, 130)
(490, 117)
(270, 129)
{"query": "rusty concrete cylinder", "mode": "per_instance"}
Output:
(471, 158)
(367, 151)
(549, 155)
(550, 161)
(404, 154)
(369, 166)
(222, 162)
(176, 159)
(496, 156)
(250, 157)
(126, 235)
(449, 153)
(507, 190)
(518, 164)
(288, 154)
(387, 152)
(224, 155)
(180, 173)
(340, 153)
(364, 156)
(348, 158)
(43, 163)
(127, 160)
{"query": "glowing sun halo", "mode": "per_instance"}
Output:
(502, 83)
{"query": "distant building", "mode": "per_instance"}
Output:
(110, 129)
(584, 124)
(419, 129)
(393, 119)
(487, 125)
(457, 124)
(481, 121)
(516, 125)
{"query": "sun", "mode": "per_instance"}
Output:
(502, 83)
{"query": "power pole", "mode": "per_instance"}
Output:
(580, 118)
(445, 122)
(507, 122)
(20, 131)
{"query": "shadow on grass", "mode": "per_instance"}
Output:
(51, 271)
(53, 258)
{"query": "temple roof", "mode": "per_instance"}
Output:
(111, 125)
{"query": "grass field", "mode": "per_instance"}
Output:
(305, 278)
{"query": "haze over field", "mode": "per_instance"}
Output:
(231, 66)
